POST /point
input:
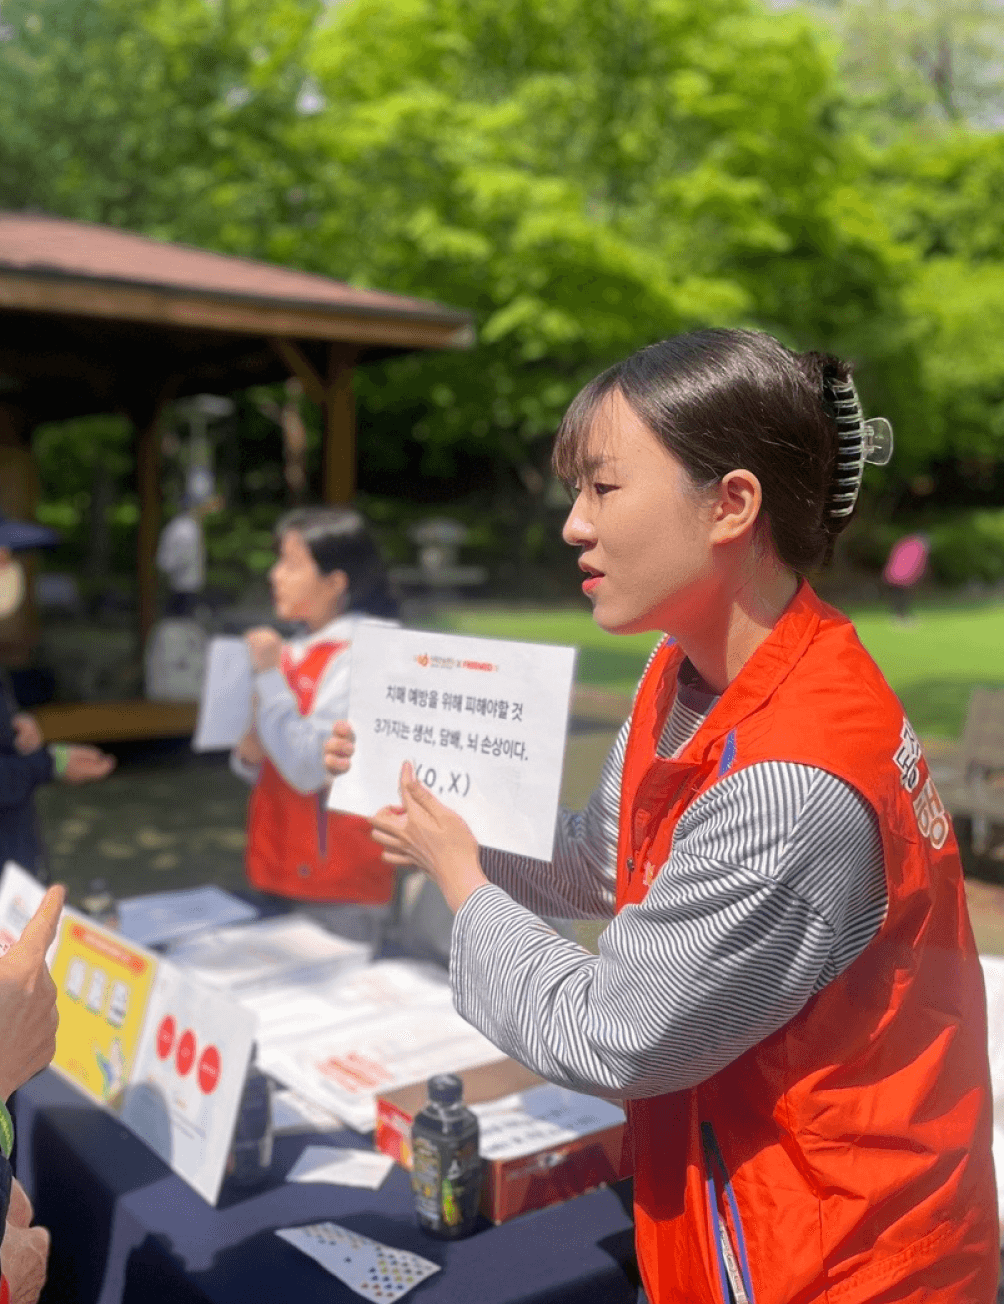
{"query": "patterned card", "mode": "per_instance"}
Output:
(377, 1272)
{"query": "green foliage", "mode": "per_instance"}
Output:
(583, 178)
(587, 180)
(968, 548)
(165, 116)
(919, 62)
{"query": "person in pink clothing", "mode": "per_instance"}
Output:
(904, 568)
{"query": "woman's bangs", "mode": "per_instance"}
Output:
(568, 459)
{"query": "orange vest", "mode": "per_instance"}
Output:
(296, 847)
(848, 1155)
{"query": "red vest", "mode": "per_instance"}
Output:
(848, 1155)
(296, 847)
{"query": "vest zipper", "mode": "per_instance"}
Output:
(733, 1272)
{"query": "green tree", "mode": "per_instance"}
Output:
(930, 63)
(585, 178)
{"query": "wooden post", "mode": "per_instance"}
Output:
(148, 486)
(19, 490)
(338, 456)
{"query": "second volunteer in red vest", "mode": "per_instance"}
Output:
(329, 577)
(788, 997)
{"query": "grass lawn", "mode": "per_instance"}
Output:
(933, 663)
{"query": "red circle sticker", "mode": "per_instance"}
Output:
(165, 1036)
(209, 1069)
(186, 1052)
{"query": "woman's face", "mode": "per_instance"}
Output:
(299, 590)
(646, 535)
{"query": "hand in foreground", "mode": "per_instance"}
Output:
(25, 1249)
(27, 734)
(424, 832)
(338, 749)
(28, 1014)
(86, 764)
(265, 647)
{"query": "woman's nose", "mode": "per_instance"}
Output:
(577, 530)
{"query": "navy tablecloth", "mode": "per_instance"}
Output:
(125, 1228)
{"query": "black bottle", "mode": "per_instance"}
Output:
(251, 1152)
(446, 1166)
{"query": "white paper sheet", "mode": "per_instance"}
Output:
(482, 720)
(227, 690)
(20, 896)
(166, 916)
(292, 1112)
(270, 951)
(185, 1087)
(341, 1167)
(344, 1068)
(376, 1272)
(539, 1118)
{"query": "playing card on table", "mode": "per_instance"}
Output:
(375, 1271)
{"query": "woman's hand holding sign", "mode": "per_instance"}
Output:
(339, 747)
(424, 832)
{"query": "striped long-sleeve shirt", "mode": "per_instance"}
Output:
(774, 885)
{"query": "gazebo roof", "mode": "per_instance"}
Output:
(95, 307)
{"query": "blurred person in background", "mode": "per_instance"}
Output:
(181, 550)
(25, 761)
(329, 577)
(904, 569)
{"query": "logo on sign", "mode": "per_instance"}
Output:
(185, 1057)
(209, 1070)
(165, 1036)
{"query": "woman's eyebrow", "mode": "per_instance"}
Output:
(590, 466)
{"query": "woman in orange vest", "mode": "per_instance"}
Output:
(788, 997)
(329, 577)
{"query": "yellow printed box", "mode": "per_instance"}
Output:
(103, 984)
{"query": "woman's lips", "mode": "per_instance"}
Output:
(590, 583)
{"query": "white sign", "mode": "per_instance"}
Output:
(227, 690)
(185, 1088)
(483, 721)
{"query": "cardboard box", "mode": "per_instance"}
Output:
(518, 1183)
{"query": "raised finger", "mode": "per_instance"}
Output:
(40, 929)
(19, 1211)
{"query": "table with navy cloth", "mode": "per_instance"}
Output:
(126, 1228)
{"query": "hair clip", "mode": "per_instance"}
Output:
(861, 441)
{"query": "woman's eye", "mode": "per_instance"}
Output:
(601, 489)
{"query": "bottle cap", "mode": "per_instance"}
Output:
(445, 1089)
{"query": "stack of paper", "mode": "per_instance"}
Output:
(340, 1043)
(166, 916)
(270, 952)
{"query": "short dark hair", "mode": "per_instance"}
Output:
(338, 538)
(721, 399)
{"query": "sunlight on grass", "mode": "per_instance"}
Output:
(933, 662)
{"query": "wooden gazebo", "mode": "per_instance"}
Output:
(96, 320)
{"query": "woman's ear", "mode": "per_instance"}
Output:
(737, 506)
(338, 588)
